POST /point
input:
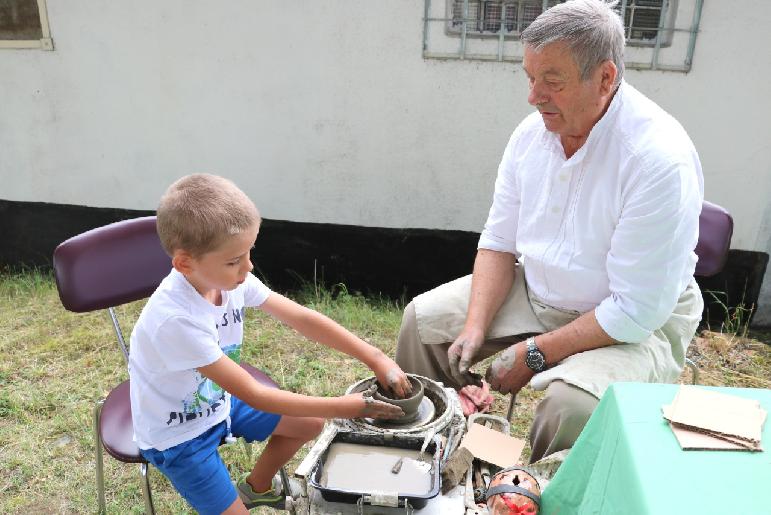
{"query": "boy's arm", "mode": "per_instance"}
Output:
(230, 376)
(317, 327)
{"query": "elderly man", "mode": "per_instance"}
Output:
(584, 271)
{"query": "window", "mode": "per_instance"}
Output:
(642, 19)
(485, 18)
(660, 34)
(24, 24)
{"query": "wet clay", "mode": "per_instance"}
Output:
(367, 469)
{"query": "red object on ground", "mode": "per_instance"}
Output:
(475, 399)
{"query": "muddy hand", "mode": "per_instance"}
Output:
(392, 377)
(398, 383)
(506, 374)
(378, 409)
(461, 356)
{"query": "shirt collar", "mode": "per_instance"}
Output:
(603, 123)
(196, 297)
(599, 128)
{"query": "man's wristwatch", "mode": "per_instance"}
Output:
(534, 358)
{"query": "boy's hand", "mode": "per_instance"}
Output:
(362, 405)
(392, 377)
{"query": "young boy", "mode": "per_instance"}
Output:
(188, 392)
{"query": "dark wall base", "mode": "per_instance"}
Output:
(393, 262)
(732, 295)
(398, 263)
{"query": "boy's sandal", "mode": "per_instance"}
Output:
(273, 498)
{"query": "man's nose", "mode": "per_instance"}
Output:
(536, 95)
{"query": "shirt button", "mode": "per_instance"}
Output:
(563, 177)
(555, 209)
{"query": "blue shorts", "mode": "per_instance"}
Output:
(195, 467)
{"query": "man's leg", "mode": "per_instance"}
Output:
(415, 357)
(559, 418)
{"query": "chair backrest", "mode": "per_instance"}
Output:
(715, 230)
(111, 265)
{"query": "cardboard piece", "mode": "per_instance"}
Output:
(493, 446)
(706, 419)
(697, 441)
(694, 438)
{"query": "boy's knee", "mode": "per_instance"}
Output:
(312, 427)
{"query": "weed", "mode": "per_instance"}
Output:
(736, 319)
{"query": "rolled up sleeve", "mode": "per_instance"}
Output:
(651, 254)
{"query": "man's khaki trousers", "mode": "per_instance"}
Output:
(573, 387)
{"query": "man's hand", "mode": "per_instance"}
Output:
(362, 405)
(508, 373)
(461, 356)
(392, 377)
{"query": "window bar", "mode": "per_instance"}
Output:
(520, 15)
(46, 43)
(631, 20)
(694, 30)
(463, 32)
(500, 31)
(623, 17)
(662, 14)
(426, 12)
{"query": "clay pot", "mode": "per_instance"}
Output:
(409, 405)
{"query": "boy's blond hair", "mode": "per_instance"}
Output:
(200, 211)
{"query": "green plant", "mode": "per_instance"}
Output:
(736, 318)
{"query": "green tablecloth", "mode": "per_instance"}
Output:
(627, 461)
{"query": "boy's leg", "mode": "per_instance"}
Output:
(290, 434)
(197, 472)
(286, 438)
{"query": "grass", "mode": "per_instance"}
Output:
(57, 364)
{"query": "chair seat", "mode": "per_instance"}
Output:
(115, 426)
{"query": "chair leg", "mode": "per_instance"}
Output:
(285, 483)
(144, 471)
(512, 402)
(99, 463)
(694, 370)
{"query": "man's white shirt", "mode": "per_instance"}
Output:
(177, 332)
(614, 227)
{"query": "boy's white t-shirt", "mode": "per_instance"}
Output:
(178, 331)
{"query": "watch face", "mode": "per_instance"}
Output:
(535, 360)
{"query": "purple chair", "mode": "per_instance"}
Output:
(715, 230)
(100, 269)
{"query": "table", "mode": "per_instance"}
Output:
(627, 461)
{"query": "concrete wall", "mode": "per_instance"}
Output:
(326, 111)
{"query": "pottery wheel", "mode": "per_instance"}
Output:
(424, 415)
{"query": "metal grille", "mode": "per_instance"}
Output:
(490, 29)
(641, 19)
(486, 17)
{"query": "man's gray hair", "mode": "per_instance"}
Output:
(592, 30)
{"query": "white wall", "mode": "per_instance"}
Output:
(326, 111)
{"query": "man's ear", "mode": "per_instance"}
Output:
(182, 262)
(608, 74)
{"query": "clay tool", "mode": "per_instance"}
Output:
(397, 466)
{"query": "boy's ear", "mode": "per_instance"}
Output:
(182, 262)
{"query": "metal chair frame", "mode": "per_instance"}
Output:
(84, 286)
